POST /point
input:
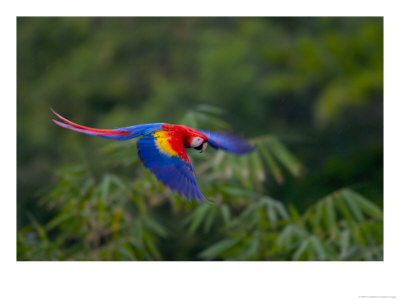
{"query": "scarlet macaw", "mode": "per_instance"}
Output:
(162, 149)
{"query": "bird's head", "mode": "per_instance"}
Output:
(199, 142)
(192, 138)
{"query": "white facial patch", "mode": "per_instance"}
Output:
(196, 141)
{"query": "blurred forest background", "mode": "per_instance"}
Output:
(307, 91)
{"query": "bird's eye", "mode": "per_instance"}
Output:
(196, 142)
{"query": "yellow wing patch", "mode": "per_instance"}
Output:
(162, 139)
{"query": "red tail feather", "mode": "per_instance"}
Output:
(94, 130)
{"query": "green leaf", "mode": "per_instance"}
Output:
(344, 209)
(154, 226)
(310, 252)
(344, 241)
(197, 217)
(219, 248)
(236, 191)
(330, 216)
(210, 219)
(127, 251)
(271, 163)
(285, 236)
(257, 167)
(105, 188)
(350, 221)
(189, 119)
(137, 234)
(148, 240)
(293, 212)
(252, 247)
(209, 109)
(226, 214)
(118, 182)
(285, 157)
(367, 206)
(318, 247)
(280, 208)
(271, 213)
(249, 216)
(246, 171)
(210, 120)
(300, 251)
(317, 217)
(352, 203)
(61, 218)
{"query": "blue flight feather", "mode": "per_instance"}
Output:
(172, 171)
(228, 142)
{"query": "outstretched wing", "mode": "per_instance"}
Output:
(163, 153)
(123, 133)
(228, 142)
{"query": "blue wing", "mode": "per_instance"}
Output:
(164, 155)
(228, 142)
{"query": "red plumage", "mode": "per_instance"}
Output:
(187, 133)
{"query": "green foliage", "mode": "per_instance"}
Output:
(340, 226)
(308, 92)
(110, 217)
(100, 219)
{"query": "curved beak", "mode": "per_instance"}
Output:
(204, 147)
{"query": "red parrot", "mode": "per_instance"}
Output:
(162, 149)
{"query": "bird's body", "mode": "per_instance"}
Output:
(162, 149)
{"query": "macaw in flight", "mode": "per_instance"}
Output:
(162, 149)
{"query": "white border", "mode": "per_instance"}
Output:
(198, 280)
